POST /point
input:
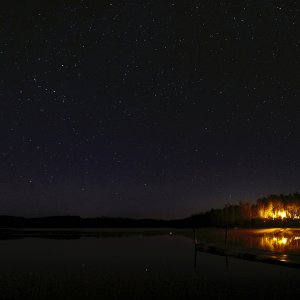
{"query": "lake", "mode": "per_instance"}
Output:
(136, 264)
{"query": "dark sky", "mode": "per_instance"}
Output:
(147, 108)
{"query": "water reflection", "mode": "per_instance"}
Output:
(275, 239)
(134, 266)
(279, 243)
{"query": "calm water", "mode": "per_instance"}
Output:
(134, 266)
(280, 240)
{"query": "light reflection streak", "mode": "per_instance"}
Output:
(279, 243)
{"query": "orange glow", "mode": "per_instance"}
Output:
(276, 243)
(277, 210)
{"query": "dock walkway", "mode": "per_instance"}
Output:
(250, 254)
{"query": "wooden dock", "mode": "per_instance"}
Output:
(281, 259)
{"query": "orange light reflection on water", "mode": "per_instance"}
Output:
(279, 240)
(280, 243)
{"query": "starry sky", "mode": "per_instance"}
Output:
(147, 108)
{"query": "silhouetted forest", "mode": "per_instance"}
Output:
(274, 210)
(78, 222)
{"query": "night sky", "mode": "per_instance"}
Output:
(147, 108)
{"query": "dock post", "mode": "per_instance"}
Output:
(226, 234)
(195, 256)
(195, 249)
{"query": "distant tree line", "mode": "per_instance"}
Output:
(78, 222)
(274, 210)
